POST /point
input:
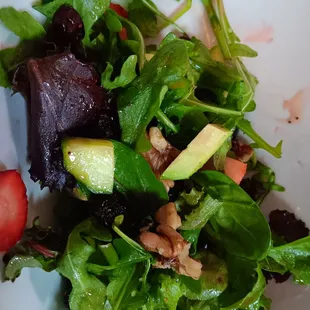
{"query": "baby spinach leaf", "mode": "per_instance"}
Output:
(239, 223)
(143, 17)
(134, 178)
(127, 75)
(213, 281)
(138, 104)
(88, 292)
(90, 11)
(21, 23)
(246, 127)
(246, 285)
(294, 257)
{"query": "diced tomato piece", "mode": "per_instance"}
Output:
(235, 169)
(119, 10)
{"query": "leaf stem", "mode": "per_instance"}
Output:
(162, 117)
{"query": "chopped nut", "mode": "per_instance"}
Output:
(161, 155)
(155, 243)
(182, 264)
(168, 215)
(176, 240)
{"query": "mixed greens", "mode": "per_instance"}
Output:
(160, 201)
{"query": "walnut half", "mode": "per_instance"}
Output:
(173, 250)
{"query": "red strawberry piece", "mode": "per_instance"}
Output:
(13, 208)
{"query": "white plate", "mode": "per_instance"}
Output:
(279, 31)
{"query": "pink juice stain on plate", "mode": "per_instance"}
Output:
(262, 35)
(295, 106)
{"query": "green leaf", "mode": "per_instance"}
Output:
(88, 292)
(241, 50)
(246, 285)
(125, 287)
(21, 23)
(112, 21)
(90, 11)
(239, 224)
(134, 178)
(4, 79)
(213, 281)
(143, 17)
(192, 237)
(134, 35)
(199, 217)
(138, 104)
(265, 303)
(294, 257)
(186, 304)
(127, 75)
(165, 292)
(246, 127)
(14, 267)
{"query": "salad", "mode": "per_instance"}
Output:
(159, 197)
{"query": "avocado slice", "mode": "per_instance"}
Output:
(197, 153)
(91, 162)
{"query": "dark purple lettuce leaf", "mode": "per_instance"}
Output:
(64, 97)
(285, 225)
(67, 31)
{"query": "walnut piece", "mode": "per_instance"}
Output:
(168, 215)
(161, 155)
(173, 250)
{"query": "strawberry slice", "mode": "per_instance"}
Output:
(13, 208)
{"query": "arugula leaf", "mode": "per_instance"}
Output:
(213, 281)
(124, 288)
(134, 178)
(90, 11)
(143, 17)
(127, 75)
(138, 104)
(265, 303)
(238, 223)
(21, 23)
(294, 257)
(246, 127)
(241, 50)
(136, 40)
(88, 292)
(246, 285)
